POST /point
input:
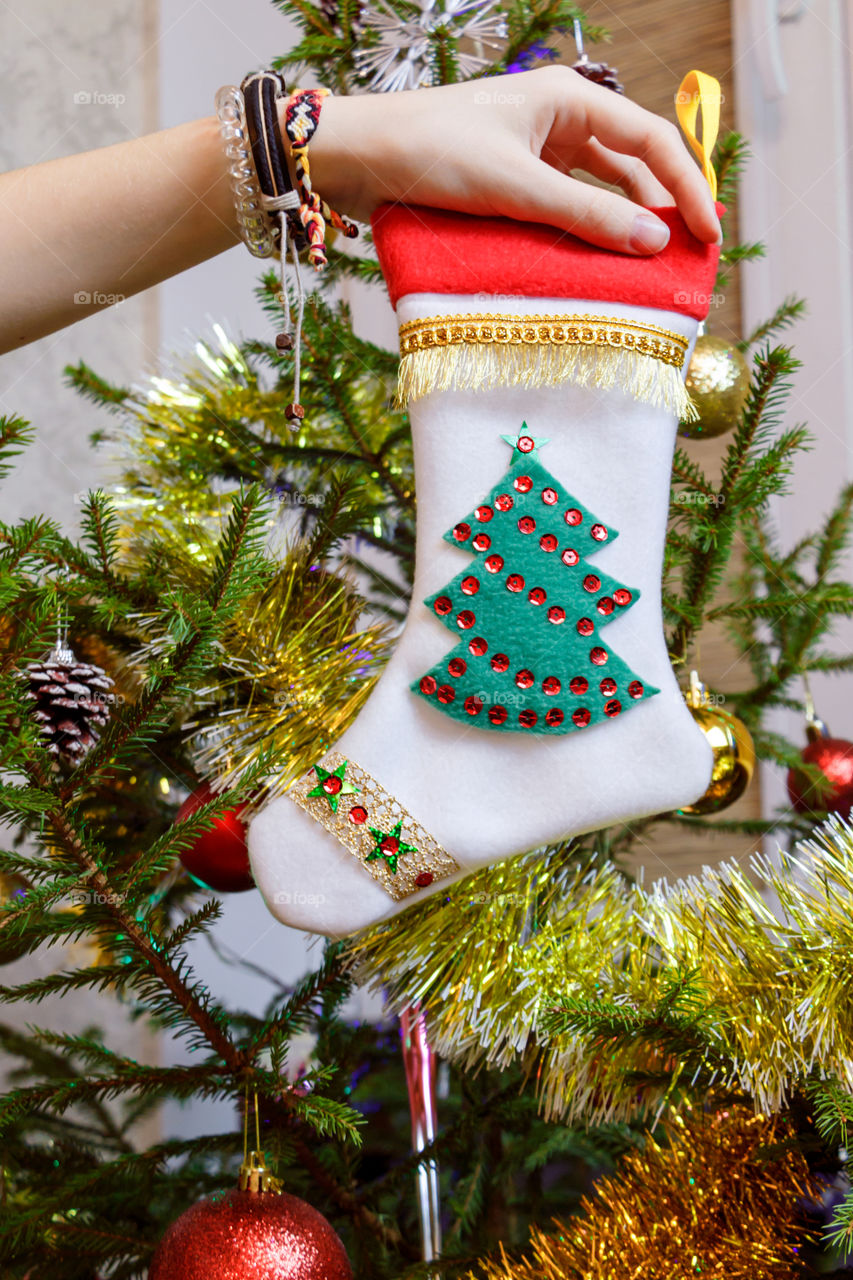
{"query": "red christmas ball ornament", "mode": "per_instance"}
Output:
(834, 758)
(250, 1234)
(219, 858)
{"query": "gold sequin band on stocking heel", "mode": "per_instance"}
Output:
(375, 827)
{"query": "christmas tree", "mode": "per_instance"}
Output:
(588, 1007)
(529, 531)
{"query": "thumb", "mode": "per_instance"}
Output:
(540, 193)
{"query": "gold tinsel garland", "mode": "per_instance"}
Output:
(706, 1203)
(299, 660)
(494, 956)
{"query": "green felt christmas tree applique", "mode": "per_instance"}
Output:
(528, 612)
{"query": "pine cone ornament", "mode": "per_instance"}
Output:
(72, 702)
(598, 73)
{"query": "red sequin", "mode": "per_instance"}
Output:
(550, 497)
(497, 715)
(551, 685)
(585, 627)
(526, 444)
(605, 606)
(598, 656)
(469, 586)
(556, 614)
(608, 686)
(443, 605)
(622, 596)
(494, 564)
(389, 845)
(478, 646)
(635, 688)
(425, 878)
(473, 706)
(581, 717)
(591, 582)
(446, 693)
(429, 684)
(554, 717)
(573, 516)
(536, 596)
(579, 684)
(500, 662)
(515, 582)
(332, 786)
(612, 708)
(548, 542)
(357, 814)
(527, 717)
(570, 556)
(599, 532)
(523, 484)
(503, 502)
(481, 542)
(524, 678)
(526, 524)
(484, 514)
(465, 619)
(458, 666)
(462, 532)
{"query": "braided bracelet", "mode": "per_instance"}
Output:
(301, 117)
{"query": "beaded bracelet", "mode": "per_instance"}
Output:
(255, 228)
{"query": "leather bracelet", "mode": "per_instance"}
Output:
(261, 92)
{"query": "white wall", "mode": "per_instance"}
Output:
(797, 196)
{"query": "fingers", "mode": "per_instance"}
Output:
(585, 110)
(539, 193)
(632, 175)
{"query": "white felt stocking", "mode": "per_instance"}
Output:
(412, 797)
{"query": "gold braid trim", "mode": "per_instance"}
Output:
(419, 856)
(470, 353)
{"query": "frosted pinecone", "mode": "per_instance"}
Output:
(73, 701)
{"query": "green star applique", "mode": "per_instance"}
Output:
(390, 846)
(331, 786)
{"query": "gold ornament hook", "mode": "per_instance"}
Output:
(254, 1173)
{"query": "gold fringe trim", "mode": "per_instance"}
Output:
(470, 353)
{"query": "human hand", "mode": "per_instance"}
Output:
(507, 146)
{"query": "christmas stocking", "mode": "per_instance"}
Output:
(530, 696)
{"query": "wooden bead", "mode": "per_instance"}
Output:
(284, 342)
(294, 412)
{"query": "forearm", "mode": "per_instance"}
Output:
(109, 223)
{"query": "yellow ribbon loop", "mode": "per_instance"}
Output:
(700, 91)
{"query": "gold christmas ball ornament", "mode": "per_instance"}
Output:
(732, 745)
(718, 383)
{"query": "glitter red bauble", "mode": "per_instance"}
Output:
(219, 858)
(250, 1235)
(834, 758)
